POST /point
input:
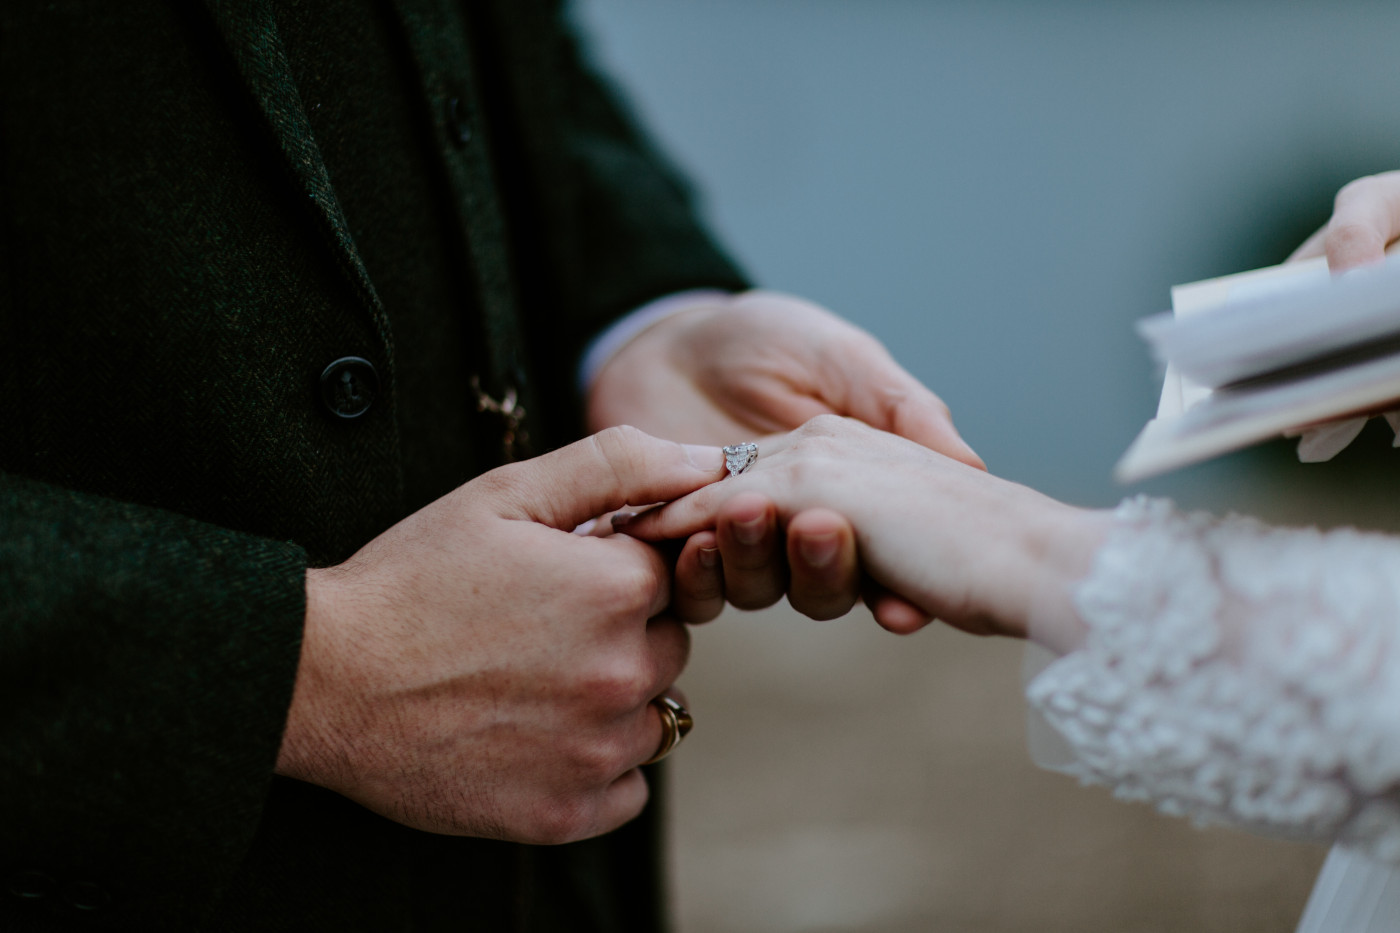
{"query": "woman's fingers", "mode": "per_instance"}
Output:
(746, 527)
(893, 613)
(824, 571)
(698, 594)
(744, 563)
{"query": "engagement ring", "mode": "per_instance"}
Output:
(739, 457)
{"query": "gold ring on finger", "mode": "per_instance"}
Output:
(676, 723)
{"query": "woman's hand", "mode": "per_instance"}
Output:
(978, 552)
(1365, 220)
(735, 368)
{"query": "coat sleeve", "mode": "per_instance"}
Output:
(146, 665)
(604, 221)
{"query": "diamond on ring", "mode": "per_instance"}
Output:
(739, 457)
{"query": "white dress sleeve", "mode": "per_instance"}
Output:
(1239, 673)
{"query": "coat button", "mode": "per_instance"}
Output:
(349, 386)
(31, 885)
(459, 131)
(85, 895)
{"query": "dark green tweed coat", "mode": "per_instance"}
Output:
(205, 205)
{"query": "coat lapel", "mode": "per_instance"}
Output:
(250, 31)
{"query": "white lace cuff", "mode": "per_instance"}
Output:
(1238, 673)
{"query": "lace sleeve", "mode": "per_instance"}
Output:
(1239, 673)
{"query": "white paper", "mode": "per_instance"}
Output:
(1195, 422)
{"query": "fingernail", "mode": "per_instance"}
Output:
(622, 519)
(587, 527)
(751, 531)
(819, 550)
(708, 557)
(709, 459)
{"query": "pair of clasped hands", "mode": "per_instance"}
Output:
(486, 667)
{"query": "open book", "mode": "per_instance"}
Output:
(1257, 354)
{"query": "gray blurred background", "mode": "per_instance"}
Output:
(997, 189)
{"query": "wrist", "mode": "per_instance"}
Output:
(1059, 551)
(625, 332)
(306, 751)
(650, 382)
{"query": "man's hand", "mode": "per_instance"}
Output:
(733, 369)
(763, 363)
(479, 670)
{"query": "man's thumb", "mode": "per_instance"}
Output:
(615, 467)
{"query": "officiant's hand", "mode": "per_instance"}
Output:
(739, 367)
(958, 544)
(1365, 220)
(1365, 223)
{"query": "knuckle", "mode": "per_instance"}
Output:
(621, 435)
(819, 437)
(604, 759)
(823, 425)
(802, 472)
(1351, 233)
(629, 589)
(563, 819)
(590, 764)
(1360, 188)
(619, 685)
(619, 443)
(620, 448)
